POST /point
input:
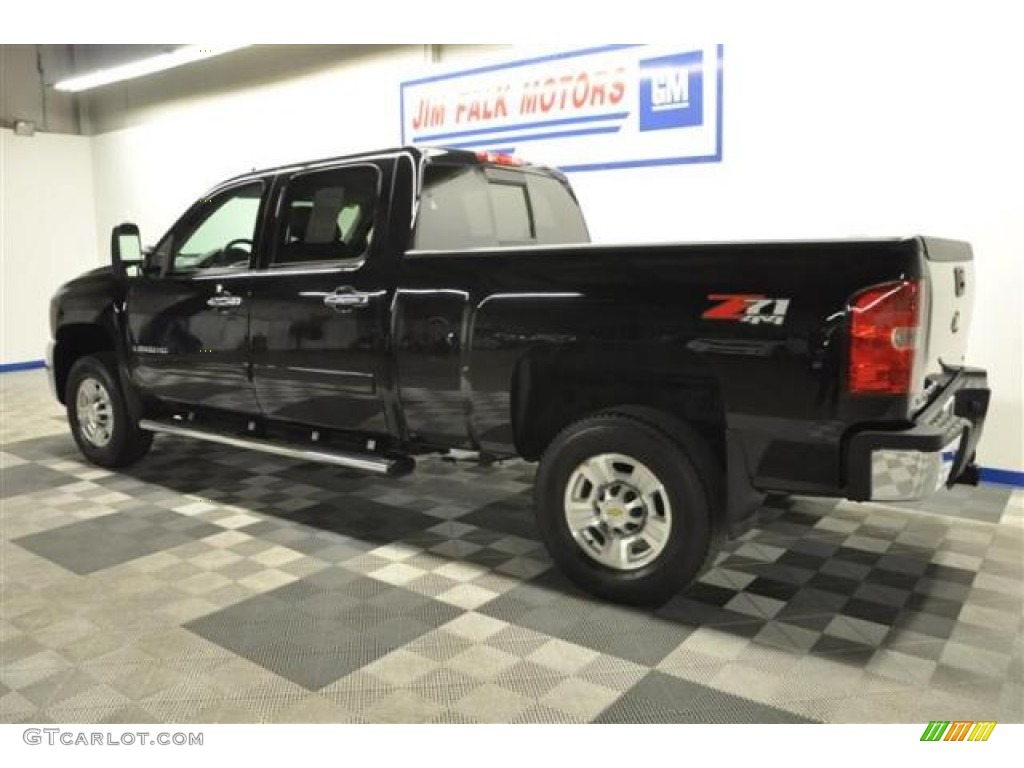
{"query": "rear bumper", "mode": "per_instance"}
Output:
(910, 464)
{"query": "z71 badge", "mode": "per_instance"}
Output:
(747, 308)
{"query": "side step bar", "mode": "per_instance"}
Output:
(377, 465)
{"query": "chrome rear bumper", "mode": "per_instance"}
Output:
(910, 475)
(910, 464)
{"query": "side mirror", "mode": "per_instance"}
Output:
(125, 245)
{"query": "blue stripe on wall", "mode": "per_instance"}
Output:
(522, 126)
(534, 137)
(1002, 476)
(28, 365)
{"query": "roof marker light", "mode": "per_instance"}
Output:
(493, 158)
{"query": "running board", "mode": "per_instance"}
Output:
(377, 465)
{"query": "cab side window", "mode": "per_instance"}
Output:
(217, 234)
(328, 216)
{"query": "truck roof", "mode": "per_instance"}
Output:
(417, 152)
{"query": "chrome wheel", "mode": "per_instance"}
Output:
(95, 412)
(618, 511)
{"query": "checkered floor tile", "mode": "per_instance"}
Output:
(207, 584)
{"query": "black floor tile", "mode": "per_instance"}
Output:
(834, 584)
(780, 590)
(871, 611)
(513, 516)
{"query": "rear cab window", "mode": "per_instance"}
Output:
(476, 206)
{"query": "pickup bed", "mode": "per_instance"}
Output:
(365, 310)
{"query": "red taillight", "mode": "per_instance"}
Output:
(884, 325)
(497, 159)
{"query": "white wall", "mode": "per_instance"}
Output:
(823, 138)
(47, 232)
(150, 172)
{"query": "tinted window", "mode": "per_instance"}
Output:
(328, 215)
(511, 213)
(556, 214)
(476, 207)
(216, 234)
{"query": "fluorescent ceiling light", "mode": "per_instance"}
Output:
(184, 55)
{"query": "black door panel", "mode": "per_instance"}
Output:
(319, 364)
(320, 311)
(184, 350)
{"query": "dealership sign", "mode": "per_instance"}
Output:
(616, 106)
(613, 107)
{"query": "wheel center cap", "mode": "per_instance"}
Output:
(619, 508)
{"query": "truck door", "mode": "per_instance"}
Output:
(188, 322)
(320, 309)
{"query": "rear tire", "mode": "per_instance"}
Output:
(99, 416)
(626, 508)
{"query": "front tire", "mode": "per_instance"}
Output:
(626, 508)
(99, 416)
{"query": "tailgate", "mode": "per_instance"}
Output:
(950, 269)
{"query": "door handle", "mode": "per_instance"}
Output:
(346, 297)
(224, 301)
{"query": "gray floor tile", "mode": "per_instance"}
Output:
(26, 478)
(659, 698)
(92, 545)
(318, 629)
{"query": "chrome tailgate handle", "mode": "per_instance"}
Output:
(346, 297)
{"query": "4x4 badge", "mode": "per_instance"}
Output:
(747, 308)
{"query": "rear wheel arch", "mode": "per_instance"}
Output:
(553, 387)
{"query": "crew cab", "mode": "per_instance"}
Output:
(365, 310)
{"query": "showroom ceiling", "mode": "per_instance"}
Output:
(89, 57)
(82, 59)
(29, 73)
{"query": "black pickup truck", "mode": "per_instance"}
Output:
(364, 310)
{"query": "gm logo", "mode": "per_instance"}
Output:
(672, 91)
